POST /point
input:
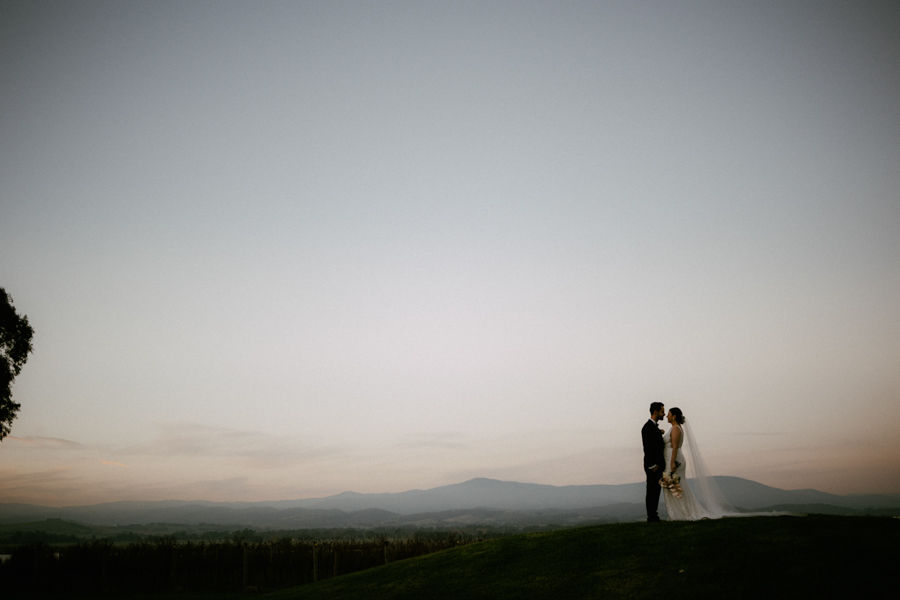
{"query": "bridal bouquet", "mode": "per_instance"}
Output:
(672, 482)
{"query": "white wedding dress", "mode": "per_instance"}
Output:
(687, 507)
(701, 497)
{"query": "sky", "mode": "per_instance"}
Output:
(279, 250)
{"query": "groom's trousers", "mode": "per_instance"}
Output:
(653, 490)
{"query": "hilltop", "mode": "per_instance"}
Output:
(753, 557)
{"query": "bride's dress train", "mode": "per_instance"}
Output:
(700, 498)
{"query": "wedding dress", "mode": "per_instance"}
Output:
(700, 498)
(680, 504)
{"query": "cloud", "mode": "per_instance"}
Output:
(39, 442)
(252, 449)
(435, 440)
(854, 465)
(113, 463)
(50, 487)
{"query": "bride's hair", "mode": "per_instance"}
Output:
(679, 417)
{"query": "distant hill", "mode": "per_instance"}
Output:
(511, 495)
(493, 501)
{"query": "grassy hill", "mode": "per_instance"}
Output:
(819, 556)
(758, 557)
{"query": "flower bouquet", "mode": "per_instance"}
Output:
(672, 482)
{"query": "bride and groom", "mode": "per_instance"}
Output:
(665, 465)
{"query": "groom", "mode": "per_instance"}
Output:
(651, 435)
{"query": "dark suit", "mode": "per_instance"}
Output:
(653, 455)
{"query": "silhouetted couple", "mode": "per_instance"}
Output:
(665, 467)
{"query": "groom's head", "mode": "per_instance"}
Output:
(657, 410)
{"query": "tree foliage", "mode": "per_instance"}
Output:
(15, 345)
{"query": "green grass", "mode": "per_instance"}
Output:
(816, 556)
(761, 557)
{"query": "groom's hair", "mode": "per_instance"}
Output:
(655, 406)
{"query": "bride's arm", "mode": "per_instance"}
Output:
(676, 441)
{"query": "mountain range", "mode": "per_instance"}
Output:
(480, 500)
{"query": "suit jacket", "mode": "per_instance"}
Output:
(653, 446)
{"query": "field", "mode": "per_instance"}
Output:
(165, 564)
(762, 557)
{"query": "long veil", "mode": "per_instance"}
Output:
(705, 488)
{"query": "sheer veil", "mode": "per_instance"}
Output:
(701, 481)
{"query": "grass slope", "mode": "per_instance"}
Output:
(753, 557)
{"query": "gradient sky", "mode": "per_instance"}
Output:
(279, 250)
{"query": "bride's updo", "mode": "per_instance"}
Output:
(679, 416)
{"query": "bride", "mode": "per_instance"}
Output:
(699, 499)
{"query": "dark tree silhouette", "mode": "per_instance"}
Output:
(15, 344)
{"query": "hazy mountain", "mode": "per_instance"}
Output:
(497, 501)
(511, 495)
(489, 493)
